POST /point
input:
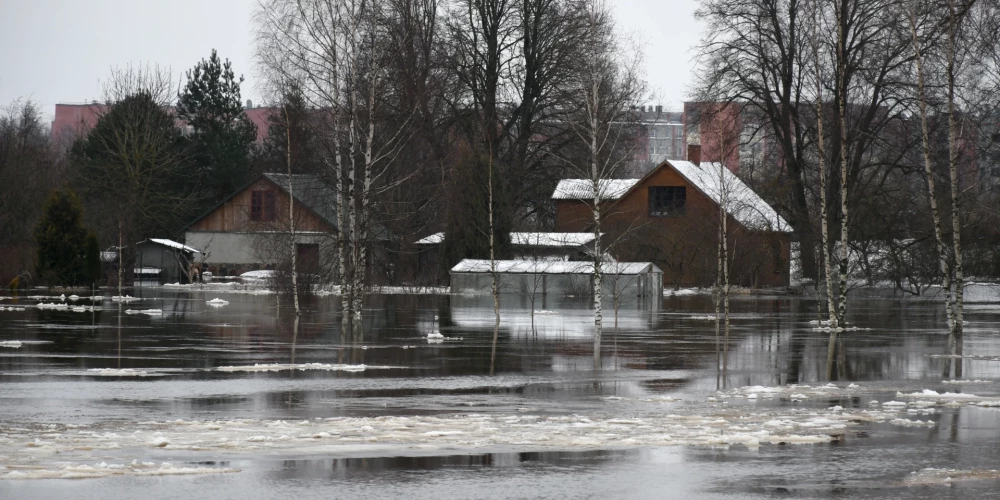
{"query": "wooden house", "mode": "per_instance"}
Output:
(249, 229)
(671, 217)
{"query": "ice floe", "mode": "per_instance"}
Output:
(104, 469)
(217, 302)
(946, 477)
(117, 372)
(13, 344)
(302, 366)
(148, 312)
(124, 298)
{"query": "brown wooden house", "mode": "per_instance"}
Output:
(249, 229)
(671, 217)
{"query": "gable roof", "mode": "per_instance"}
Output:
(583, 189)
(711, 178)
(311, 192)
(725, 188)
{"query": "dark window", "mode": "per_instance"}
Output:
(667, 200)
(262, 206)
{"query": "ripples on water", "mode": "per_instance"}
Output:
(234, 401)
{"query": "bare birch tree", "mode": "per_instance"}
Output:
(334, 50)
(604, 90)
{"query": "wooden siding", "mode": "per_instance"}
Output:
(234, 215)
(683, 246)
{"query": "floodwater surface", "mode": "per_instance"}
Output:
(172, 396)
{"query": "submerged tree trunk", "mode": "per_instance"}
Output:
(821, 146)
(842, 97)
(956, 221)
(495, 285)
(942, 251)
(595, 177)
(291, 214)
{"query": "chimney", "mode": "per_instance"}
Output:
(249, 104)
(659, 109)
(694, 153)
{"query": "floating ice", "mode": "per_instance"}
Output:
(149, 312)
(13, 344)
(103, 469)
(217, 302)
(117, 372)
(304, 366)
(123, 298)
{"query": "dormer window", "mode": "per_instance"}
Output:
(262, 205)
(667, 201)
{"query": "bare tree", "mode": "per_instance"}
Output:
(335, 51)
(602, 95)
(133, 163)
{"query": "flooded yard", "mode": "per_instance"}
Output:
(176, 395)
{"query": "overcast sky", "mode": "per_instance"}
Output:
(55, 51)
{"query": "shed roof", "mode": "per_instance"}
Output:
(528, 239)
(583, 189)
(170, 244)
(524, 266)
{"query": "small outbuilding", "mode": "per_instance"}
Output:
(165, 259)
(632, 282)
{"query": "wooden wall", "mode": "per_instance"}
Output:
(684, 247)
(234, 215)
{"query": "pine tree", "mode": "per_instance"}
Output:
(62, 240)
(223, 136)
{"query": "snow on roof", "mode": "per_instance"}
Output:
(745, 205)
(583, 189)
(434, 239)
(174, 244)
(529, 239)
(551, 239)
(523, 266)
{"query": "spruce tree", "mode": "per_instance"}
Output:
(223, 136)
(62, 240)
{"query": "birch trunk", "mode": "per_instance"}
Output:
(956, 222)
(843, 98)
(291, 213)
(365, 213)
(724, 254)
(595, 176)
(929, 174)
(824, 215)
(493, 272)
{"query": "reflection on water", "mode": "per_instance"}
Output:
(543, 368)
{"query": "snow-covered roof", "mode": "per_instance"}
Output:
(529, 239)
(725, 188)
(583, 189)
(173, 244)
(434, 239)
(524, 266)
(551, 239)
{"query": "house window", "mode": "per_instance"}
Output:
(262, 206)
(667, 200)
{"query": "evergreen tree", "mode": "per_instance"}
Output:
(223, 136)
(62, 240)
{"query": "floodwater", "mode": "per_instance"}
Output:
(205, 400)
